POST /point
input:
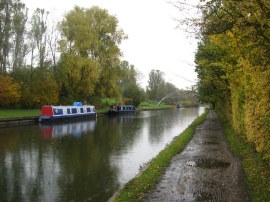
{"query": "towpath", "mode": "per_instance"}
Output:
(205, 171)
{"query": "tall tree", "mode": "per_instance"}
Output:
(130, 88)
(92, 36)
(38, 37)
(6, 32)
(127, 74)
(13, 18)
(105, 49)
(53, 38)
(19, 26)
(156, 85)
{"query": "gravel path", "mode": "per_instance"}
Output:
(205, 171)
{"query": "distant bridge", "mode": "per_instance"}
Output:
(167, 96)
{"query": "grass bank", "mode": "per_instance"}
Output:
(152, 106)
(135, 189)
(257, 171)
(12, 113)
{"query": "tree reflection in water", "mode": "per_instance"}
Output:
(83, 160)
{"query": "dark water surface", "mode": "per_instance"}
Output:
(86, 160)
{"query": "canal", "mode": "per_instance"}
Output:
(86, 160)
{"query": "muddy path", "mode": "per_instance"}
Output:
(205, 171)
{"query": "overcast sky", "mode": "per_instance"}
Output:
(153, 40)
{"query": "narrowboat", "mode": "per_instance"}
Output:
(121, 109)
(178, 106)
(50, 112)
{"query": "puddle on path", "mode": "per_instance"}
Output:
(208, 191)
(208, 143)
(191, 148)
(207, 163)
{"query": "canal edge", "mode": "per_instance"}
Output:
(198, 121)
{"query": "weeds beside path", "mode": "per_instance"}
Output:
(257, 171)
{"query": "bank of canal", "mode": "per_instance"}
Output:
(83, 160)
(205, 170)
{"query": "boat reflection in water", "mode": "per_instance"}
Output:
(123, 119)
(61, 129)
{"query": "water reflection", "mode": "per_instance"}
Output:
(60, 129)
(83, 161)
(151, 132)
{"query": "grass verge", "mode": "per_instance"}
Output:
(135, 189)
(257, 171)
(12, 113)
(152, 105)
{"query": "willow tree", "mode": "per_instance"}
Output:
(89, 53)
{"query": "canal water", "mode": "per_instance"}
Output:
(86, 160)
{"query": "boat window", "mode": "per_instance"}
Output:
(88, 109)
(57, 111)
(74, 111)
(68, 111)
(81, 110)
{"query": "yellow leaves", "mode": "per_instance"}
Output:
(78, 74)
(90, 50)
(9, 91)
(242, 52)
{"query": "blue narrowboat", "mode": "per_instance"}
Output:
(121, 109)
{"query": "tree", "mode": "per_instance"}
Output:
(42, 89)
(53, 38)
(156, 85)
(19, 49)
(78, 76)
(5, 33)
(13, 16)
(127, 75)
(92, 34)
(170, 88)
(135, 93)
(9, 91)
(38, 37)
(233, 65)
(129, 86)
(212, 77)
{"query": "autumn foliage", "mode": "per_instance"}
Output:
(9, 91)
(77, 60)
(233, 66)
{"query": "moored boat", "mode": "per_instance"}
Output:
(178, 106)
(121, 109)
(50, 112)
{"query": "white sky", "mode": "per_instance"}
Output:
(153, 40)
